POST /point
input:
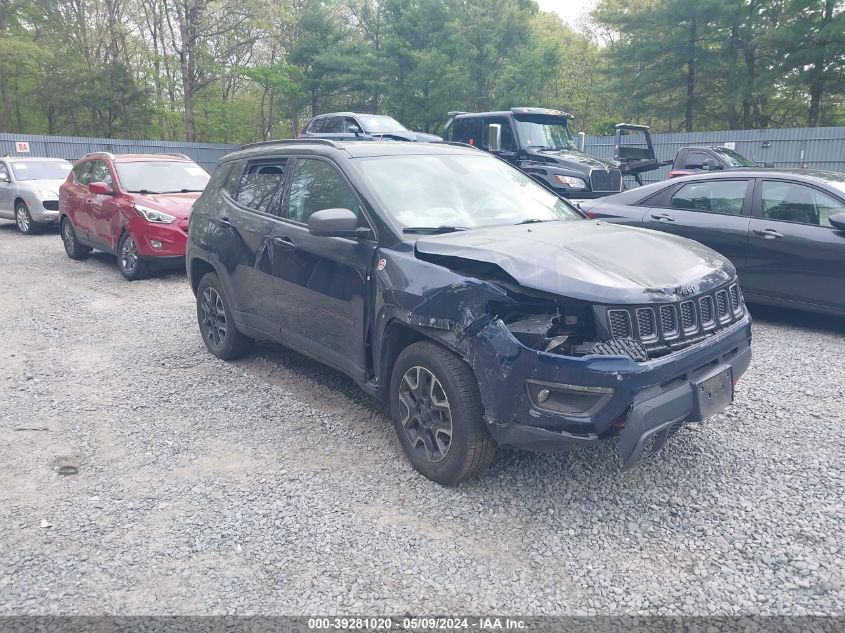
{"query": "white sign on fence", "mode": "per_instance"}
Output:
(22, 147)
(730, 145)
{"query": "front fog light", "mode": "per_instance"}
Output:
(574, 400)
(155, 243)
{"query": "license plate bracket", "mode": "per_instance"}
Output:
(712, 393)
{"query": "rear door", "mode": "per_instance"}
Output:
(714, 212)
(794, 253)
(75, 201)
(322, 282)
(252, 198)
(102, 208)
(6, 197)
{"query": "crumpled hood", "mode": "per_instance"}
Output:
(176, 204)
(590, 260)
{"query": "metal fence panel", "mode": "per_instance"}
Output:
(820, 148)
(74, 147)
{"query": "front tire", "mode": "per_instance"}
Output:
(217, 325)
(129, 260)
(438, 415)
(73, 248)
(23, 219)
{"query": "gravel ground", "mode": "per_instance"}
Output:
(273, 486)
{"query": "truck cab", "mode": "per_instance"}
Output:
(538, 141)
(698, 159)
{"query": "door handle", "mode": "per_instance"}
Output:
(284, 243)
(768, 234)
(226, 222)
(662, 217)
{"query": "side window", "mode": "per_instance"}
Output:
(508, 144)
(798, 203)
(260, 186)
(100, 173)
(468, 131)
(695, 160)
(317, 185)
(233, 178)
(82, 173)
(333, 125)
(350, 126)
(316, 126)
(713, 196)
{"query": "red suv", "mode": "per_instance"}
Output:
(135, 206)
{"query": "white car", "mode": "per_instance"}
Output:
(29, 190)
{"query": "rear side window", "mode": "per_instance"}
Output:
(695, 160)
(82, 173)
(316, 126)
(258, 185)
(4, 173)
(714, 196)
(317, 185)
(468, 131)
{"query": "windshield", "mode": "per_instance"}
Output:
(161, 176)
(377, 124)
(732, 158)
(544, 132)
(461, 191)
(41, 169)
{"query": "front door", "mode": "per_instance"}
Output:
(713, 212)
(323, 282)
(794, 253)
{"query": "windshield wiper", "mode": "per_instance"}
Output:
(531, 221)
(183, 191)
(143, 191)
(433, 229)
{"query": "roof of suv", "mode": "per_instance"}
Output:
(353, 149)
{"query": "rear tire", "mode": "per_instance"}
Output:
(73, 248)
(438, 415)
(217, 325)
(129, 260)
(23, 219)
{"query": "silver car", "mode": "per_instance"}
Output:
(29, 190)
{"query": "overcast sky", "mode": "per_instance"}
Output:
(569, 10)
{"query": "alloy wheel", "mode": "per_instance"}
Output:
(213, 317)
(426, 416)
(22, 218)
(129, 254)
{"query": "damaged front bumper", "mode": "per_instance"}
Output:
(607, 397)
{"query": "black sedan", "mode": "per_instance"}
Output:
(783, 230)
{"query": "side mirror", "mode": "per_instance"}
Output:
(6, 178)
(336, 223)
(710, 164)
(837, 221)
(100, 188)
(494, 137)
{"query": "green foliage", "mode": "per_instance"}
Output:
(234, 71)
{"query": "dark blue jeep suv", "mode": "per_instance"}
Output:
(481, 307)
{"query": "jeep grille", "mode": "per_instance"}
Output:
(665, 328)
(601, 180)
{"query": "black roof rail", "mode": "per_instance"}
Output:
(102, 153)
(293, 141)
